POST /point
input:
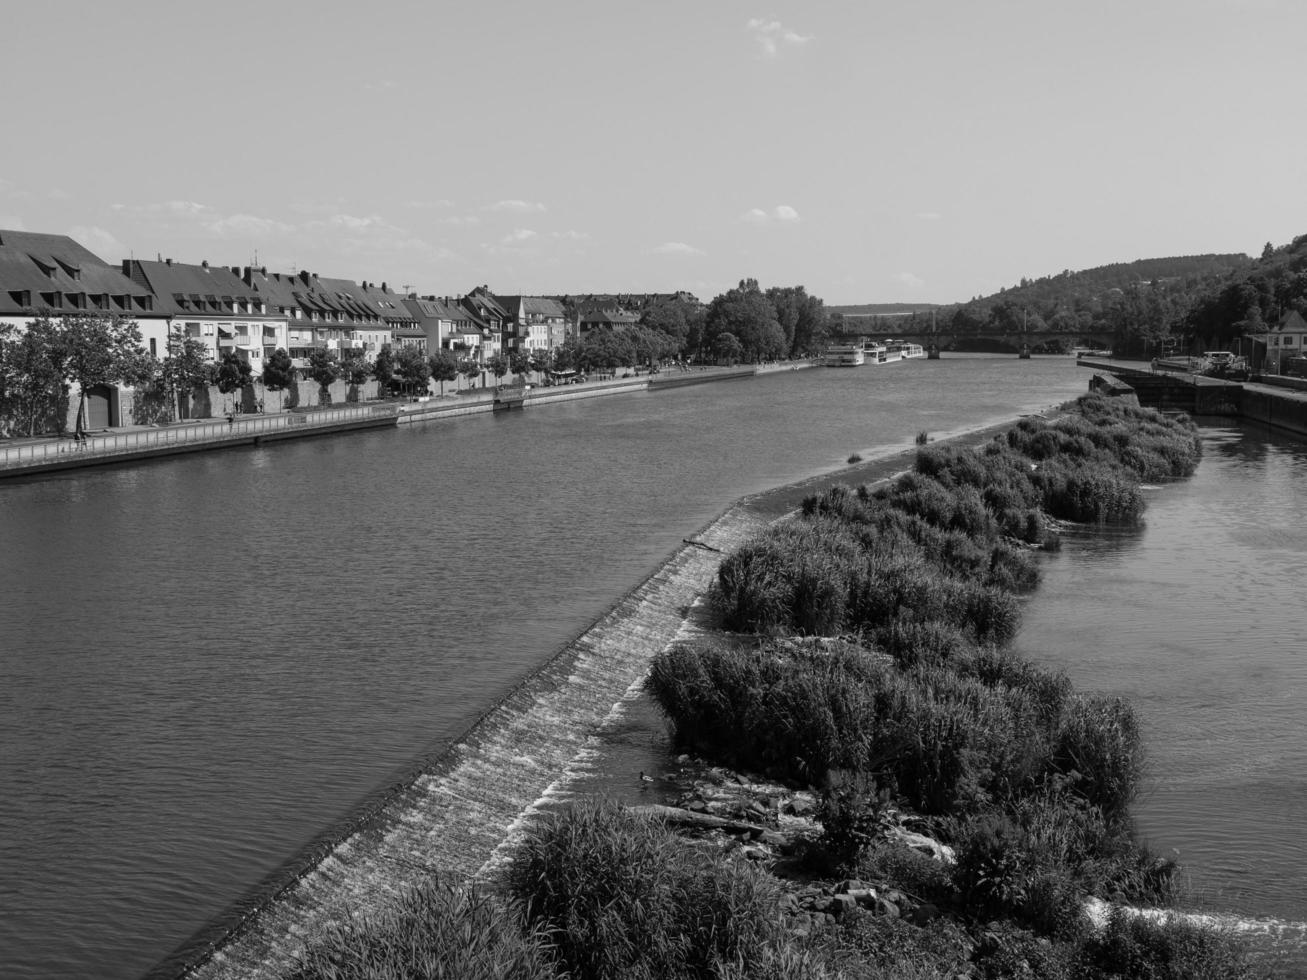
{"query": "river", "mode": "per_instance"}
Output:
(208, 664)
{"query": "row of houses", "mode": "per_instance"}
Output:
(252, 312)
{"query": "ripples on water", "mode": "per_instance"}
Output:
(1199, 618)
(208, 662)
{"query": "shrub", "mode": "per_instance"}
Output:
(620, 896)
(1098, 740)
(434, 930)
(1169, 948)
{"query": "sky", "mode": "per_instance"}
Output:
(870, 150)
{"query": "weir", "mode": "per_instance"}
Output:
(453, 818)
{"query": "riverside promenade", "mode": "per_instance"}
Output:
(26, 457)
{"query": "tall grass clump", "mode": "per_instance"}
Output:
(433, 930)
(618, 895)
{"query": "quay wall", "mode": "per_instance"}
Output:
(1277, 404)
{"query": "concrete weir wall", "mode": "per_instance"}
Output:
(1281, 407)
(1278, 409)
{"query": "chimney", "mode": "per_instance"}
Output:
(384, 289)
(127, 268)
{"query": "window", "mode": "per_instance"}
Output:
(154, 352)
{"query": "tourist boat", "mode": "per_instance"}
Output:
(843, 355)
(903, 350)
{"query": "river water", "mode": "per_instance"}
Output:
(1199, 619)
(207, 664)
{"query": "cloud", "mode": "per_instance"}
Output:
(461, 219)
(99, 241)
(381, 85)
(11, 222)
(429, 205)
(371, 235)
(781, 214)
(909, 280)
(516, 206)
(676, 248)
(518, 235)
(5, 184)
(569, 236)
(929, 215)
(247, 226)
(772, 35)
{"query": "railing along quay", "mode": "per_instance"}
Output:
(65, 452)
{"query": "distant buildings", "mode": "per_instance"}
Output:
(250, 312)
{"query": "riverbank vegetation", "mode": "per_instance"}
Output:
(864, 659)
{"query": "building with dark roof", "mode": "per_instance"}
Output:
(534, 323)
(53, 275)
(212, 305)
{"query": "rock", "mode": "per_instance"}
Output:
(843, 904)
(887, 909)
(821, 903)
(755, 853)
(797, 807)
(851, 885)
(865, 897)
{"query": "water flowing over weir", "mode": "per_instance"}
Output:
(453, 818)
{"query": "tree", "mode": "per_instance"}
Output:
(498, 366)
(519, 362)
(324, 368)
(412, 368)
(470, 369)
(383, 368)
(185, 366)
(728, 348)
(102, 350)
(278, 373)
(444, 367)
(748, 315)
(354, 367)
(233, 373)
(31, 372)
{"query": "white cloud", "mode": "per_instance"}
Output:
(518, 235)
(676, 248)
(462, 219)
(59, 194)
(247, 226)
(929, 215)
(569, 236)
(381, 85)
(909, 280)
(781, 214)
(99, 241)
(429, 205)
(772, 35)
(12, 222)
(519, 207)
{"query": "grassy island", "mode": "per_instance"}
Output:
(938, 807)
